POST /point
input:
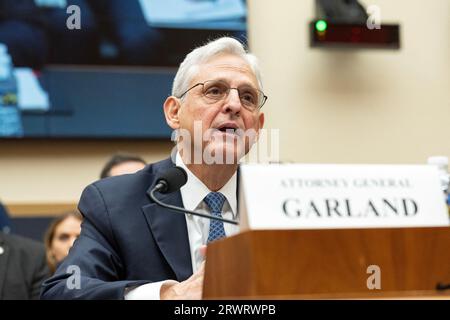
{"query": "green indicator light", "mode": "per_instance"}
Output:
(321, 25)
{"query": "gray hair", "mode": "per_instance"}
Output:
(189, 67)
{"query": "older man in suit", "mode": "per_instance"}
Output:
(130, 247)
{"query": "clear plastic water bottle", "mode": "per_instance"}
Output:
(10, 117)
(441, 162)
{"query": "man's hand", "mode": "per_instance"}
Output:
(189, 289)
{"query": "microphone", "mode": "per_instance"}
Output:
(172, 180)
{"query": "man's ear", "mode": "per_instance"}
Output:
(171, 111)
(261, 120)
(260, 124)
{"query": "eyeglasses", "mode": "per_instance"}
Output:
(216, 90)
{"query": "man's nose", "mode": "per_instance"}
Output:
(233, 102)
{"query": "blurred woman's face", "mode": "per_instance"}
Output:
(65, 234)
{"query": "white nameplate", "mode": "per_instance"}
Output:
(296, 196)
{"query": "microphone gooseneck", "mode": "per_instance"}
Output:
(172, 180)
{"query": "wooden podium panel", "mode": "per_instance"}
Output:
(329, 263)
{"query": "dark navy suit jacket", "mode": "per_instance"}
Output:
(23, 267)
(126, 240)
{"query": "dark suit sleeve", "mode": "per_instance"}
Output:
(93, 268)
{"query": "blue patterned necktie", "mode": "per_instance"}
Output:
(215, 201)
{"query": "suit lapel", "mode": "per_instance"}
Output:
(3, 263)
(169, 230)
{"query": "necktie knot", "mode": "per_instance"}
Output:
(215, 202)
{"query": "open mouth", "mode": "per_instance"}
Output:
(228, 130)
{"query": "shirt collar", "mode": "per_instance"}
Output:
(194, 191)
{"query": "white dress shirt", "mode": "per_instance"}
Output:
(192, 195)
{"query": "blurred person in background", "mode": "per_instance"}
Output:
(5, 221)
(122, 163)
(60, 236)
(23, 267)
(124, 24)
(139, 43)
(70, 46)
(22, 30)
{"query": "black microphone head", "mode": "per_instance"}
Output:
(174, 178)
